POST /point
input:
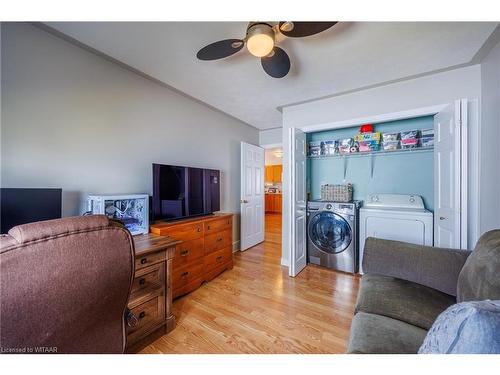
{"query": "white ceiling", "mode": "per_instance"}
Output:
(349, 56)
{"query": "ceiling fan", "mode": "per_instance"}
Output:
(260, 41)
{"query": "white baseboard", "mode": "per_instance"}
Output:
(285, 263)
(236, 246)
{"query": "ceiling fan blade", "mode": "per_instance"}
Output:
(277, 63)
(220, 49)
(301, 29)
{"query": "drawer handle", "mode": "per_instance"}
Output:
(142, 281)
(185, 274)
(184, 252)
(142, 314)
(131, 319)
(219, 239)
(198, 229)
(219, 258)
(208, 227)
(144, 260)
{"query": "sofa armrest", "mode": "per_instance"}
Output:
(435, 267)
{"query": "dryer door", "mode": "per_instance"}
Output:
(330, 232)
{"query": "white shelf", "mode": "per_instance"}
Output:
(375, 153)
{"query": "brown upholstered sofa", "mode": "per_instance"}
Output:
(65, 285)
(407, 286)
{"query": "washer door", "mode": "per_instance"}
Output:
(330, 232)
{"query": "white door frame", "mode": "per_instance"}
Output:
(391, 116)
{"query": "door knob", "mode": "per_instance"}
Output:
(442, 218)
(243, 201)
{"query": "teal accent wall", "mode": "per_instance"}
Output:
(402, 173)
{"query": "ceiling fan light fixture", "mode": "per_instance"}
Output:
(260, 39)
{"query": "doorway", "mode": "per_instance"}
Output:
(273, 185)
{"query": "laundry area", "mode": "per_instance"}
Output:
(369, 180)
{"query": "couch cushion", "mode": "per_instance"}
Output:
(378, 334)
(400, 299)
(465, 328)
(479, 279)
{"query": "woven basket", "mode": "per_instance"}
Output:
(336, 193)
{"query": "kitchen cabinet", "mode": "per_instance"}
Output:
(269, 174)
(277, 203)
(273, 203)
(277, 170)
(273, 173)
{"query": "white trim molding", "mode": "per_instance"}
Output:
(392, 116)
(236, 246)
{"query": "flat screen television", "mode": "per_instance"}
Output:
(22, 206)
(181, 192)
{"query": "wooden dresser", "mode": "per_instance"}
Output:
(150, 301)
(206, 249)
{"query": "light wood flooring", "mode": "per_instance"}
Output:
(257, 308)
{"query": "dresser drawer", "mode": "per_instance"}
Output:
(217, 241)
(148, 278)
(185, 289)
(218, 258)
(148, 314)
(188, 251)
(188, 273)
(217, 270)
(219, 224)
(149, 259)
(185, 232)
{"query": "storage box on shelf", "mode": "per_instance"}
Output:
(369, 144)
(205, 252)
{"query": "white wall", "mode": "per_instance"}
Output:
(270, 137)
(271, 158)
(74, 120)
(490, 138)
(440, 88)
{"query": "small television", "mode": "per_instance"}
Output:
(22, 206)
(182, 192)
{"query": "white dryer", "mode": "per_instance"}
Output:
(395, 217)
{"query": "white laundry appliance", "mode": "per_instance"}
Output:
(397, 217)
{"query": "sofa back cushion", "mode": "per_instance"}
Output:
(479, 278)
(465, 328)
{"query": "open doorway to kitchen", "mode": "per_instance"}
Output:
(273, 179)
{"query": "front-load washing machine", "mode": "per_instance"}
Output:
(332, 235)
(396, 217)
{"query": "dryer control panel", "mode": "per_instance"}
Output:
(395, 201)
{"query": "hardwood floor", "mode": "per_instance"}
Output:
(257, 308)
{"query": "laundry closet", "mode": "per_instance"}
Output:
(416, 188)
(368, 180)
